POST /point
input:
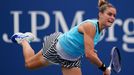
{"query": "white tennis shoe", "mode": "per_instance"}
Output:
(18, 37)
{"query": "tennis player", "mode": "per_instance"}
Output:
(67, 49)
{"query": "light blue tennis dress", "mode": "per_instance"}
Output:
(72, 42)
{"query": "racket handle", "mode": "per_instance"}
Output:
(109, 68)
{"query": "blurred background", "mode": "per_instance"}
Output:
(42, 17)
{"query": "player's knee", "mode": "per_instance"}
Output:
(28, 66)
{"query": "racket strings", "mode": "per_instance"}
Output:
(116, 64)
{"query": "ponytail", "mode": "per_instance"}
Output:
(103, 4)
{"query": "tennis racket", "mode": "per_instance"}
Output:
(115, 62)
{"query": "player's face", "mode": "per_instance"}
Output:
(108, 16)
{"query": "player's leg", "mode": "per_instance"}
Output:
(71, 71)
(32, 60)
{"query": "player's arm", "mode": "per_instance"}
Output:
(89, 31)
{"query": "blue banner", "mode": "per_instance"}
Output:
(42, 17)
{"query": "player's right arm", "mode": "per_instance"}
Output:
(89, 31)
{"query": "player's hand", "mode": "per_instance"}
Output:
(107, 72)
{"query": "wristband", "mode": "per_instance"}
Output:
(103, 67)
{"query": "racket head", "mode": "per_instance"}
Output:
(116, 60)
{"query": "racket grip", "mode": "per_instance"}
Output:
(109, 68)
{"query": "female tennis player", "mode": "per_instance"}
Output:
(67, 49)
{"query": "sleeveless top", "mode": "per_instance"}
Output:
(72, 41)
